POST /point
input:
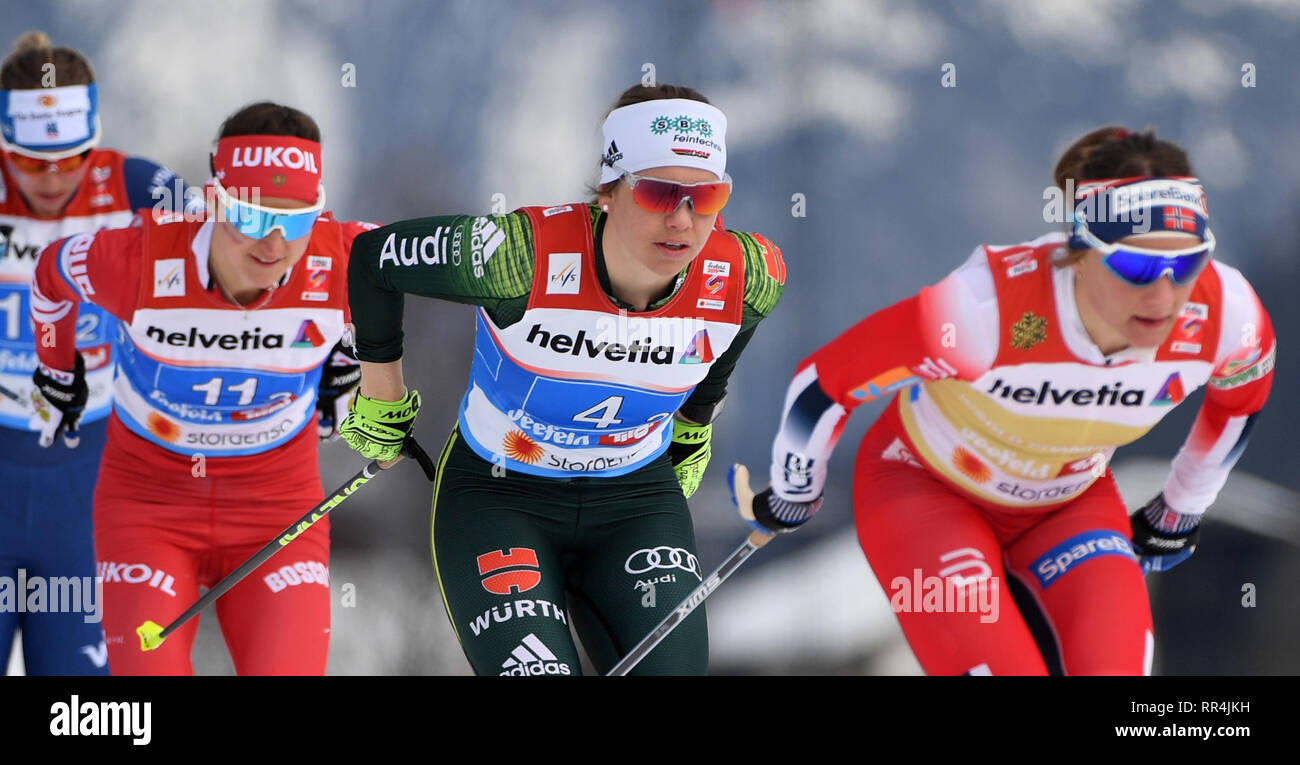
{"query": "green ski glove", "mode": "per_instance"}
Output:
(377, 428)
(690, 452)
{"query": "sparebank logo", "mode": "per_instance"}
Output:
(1067, 555)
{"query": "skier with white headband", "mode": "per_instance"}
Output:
(606, 334)
(1014, 380)
(232, 361)
(55, 180)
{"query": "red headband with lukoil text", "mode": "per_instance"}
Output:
(275, 165)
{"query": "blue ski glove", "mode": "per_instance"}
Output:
(59, 398)
(338, 379)
(765, 511)
(1162, 536)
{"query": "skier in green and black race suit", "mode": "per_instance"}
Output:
(606, 334)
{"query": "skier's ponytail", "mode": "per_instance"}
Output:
(35, 63)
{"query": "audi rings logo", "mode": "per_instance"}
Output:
(643, 561)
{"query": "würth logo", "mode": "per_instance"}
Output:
(504, 572)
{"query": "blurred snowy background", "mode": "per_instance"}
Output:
(840, 101)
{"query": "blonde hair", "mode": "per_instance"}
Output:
(26, 67)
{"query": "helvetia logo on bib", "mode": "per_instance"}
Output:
(700, 351)
(1170, 393)
(309, 336)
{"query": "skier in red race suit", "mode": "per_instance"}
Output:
(231, 368)
(1014, 380)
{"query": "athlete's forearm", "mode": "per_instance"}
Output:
(929, 336)
(382, 381)
(1218, 438)
(483, 261)
(101, 268)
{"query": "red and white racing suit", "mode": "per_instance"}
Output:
(211, 444)
(989, 466)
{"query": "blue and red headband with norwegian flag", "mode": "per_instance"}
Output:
(1115, 208)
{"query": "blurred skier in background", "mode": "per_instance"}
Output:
(55, 180)
(1014, 381)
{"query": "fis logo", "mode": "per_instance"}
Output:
(169, 277)
(309, 336)
(531, 657)
(516, 571)
(563, 276)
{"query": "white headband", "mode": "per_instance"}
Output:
(58, 122)
(674, 132)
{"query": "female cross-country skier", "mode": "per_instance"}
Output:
(606, 333)
(1014, 380)
(231, 369)
(55, 180)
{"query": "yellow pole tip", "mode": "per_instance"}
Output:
(150, 635)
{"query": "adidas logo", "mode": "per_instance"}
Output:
(612, 154)
(532, 657)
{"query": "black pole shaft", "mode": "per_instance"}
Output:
(275, 545)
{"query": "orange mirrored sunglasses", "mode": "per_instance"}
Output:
(36, 165)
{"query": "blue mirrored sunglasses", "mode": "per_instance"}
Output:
(1140, 266)
(256, 221)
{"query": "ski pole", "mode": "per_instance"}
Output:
(152, 635)
(755, 540)
(17, 399)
